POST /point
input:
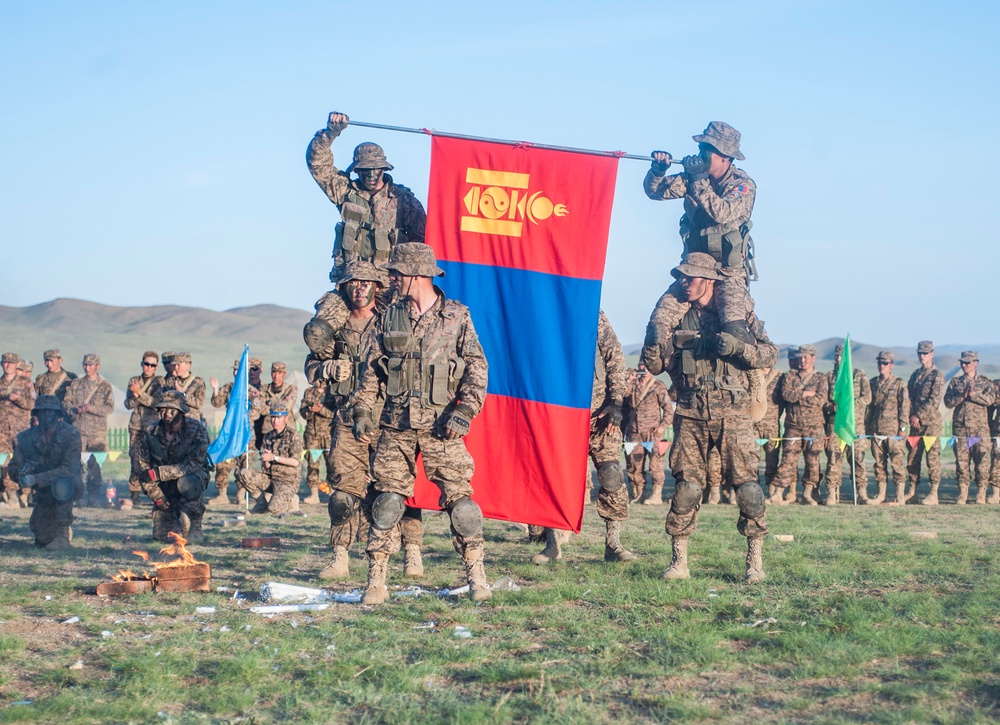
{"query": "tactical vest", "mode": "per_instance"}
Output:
(161, 455)
(357, 354)
(432, 363)
(729, 244)
(699, 360)
(358, 237)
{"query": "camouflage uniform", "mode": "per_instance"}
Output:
(192, 386)
(284, 395)
(994, 415)
(888, 416)
(279, 479)
(143, 416)
(318, 430)
(54, 383)
(803, 420)
(221, 400)
(926, 391)
(970, 420)
(16, 401)
(373, 222)
(770, 426)
(835, 457)
(93, 426)
(647, 413)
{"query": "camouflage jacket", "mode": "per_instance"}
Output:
(609, 367)
(769, 426)
(804, 414)
(185, 453)
(647, 411)
(193, 388)
(221, 399)
(317, 394)
(48, 459)
(286, 395)
(141, 405)
(710, 387)
(97, 395)
(56, 383)
(862, 397)
(970, 416)
(16, 401)
(926, 390)
(889, 412)
(286, 444)
(455, 369)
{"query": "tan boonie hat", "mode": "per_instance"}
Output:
(925, 346)
(369, 155)
(697, 264)
(723, 137)
(364, 272)
(969, 356)
(886, 356)
(9, 357)
(181, 357)
(173, 399)
(91, 358)
(414, 259)
(278, 367)
(52, 355)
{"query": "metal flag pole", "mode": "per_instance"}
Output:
(854, 478)
(519, 144)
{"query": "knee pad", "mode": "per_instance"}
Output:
(609, 475)
(190, 487)
(63, 489)
(687, 498)
(342, 507)
(738, 329)
(750, 499)
(387, 510)
(319, 335)
(466, 517)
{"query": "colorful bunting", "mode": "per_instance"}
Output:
(972, 440)
(629, 447)
(114, 455)
(315, 453)
(663, 445)
(929, 441)
(648, 445)
(101, 457)
(3, 458)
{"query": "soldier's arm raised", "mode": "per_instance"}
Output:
(661, 188)
(319, 158)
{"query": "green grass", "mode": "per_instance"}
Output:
(871, 625)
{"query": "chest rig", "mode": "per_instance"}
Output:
(729, 244)
(359, 236)
(700, 365)
(355, 353)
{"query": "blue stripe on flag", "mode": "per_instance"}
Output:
(539, 331)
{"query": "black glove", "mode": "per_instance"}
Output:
(364, 425)
(659, 169)
(27, 480)
(611, 414)
(695, 168)
(727, 345)
(457, 422)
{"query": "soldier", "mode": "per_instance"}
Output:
(173, 469)
(47, 460)
(708, 366)
(167, 358)
(317, 411)
(647, 413)
(56, 380)
(769, 426)
(276, 484)
(886, 420)
(24, 369)
(926, 390)
(181, 380)
(277, 393)
(834, 455)
(803, 392)
(431, 399)
(377, 213)
(970, 395)
(16, 401)
(220, 399)
(340, 337)
(607, 399)
(88, 403)
(994, 415)
(140, 397)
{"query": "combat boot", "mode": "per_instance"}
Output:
(613, 549)
(338, 568)
(994, 497)
(293, 505)
(260, 505)
(832, 495)
(790, 496)
(755, 560)
(63, 540)
(163, 524)
(221, 499)
(24, 498)
(679, 559)
(911, 491)
(413, 564)
(963, 494)
(981, 494)
(135, 498)
(479, 588)
(655, 496)
(878, 497)
(195, 534)
(714, 495)
(931, 499)
(807, 496)
(378, 567)
(553, 548)
(313, 498)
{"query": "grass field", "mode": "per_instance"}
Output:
(858, 621)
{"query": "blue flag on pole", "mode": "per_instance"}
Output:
(236, 429)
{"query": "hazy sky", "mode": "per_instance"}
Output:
(154, 153)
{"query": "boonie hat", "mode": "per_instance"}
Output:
(723, 137)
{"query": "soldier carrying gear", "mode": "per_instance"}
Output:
(376, 213)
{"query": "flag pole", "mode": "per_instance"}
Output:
(854, 478)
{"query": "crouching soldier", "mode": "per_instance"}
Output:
(276, 485)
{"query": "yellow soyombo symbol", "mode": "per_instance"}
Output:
(498, 202)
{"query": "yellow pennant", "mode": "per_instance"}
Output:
(929, 441)
(842, 444)
(114, 455)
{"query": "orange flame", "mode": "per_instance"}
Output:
(177, 549)
(141, 554)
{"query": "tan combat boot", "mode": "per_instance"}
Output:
(553, 547)
(911, 491)
(221, 499)
(981, 494)
(313, 498)
(878, 497)
(413, 564)
(613, 549)
(196, 534)
(479, 588)
(931, 499)
(755, 560)
(963, 495)
(338, 568)
(808, 499)
(679, 560)
(994, 497)
(655, 497)
(832, 495)
(378, 567)
(63, 540)
(714, 495)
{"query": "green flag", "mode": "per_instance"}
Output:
(844, 424)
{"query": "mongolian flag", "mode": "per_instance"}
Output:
(522, 235)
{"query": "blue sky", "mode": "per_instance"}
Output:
(154, 153)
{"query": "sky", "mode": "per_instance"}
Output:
(155, 153)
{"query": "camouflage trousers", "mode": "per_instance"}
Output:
(919, 452)
(223, 469)
(282, 489)
(447, 464)
(315, 437)
(49, 516)
(835, 460)
(733, 438)
(732, 300)
(978, 455)
(134, 436)
(411, 526)
(788, 468)
(889, 454)
(606, 447)
(635, 463)
(169, 520)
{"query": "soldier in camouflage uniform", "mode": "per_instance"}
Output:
(340, 337)
(317, 411)
(994, 419)
(277, 393)
(607, 399)
(181, 380)
(141, 394)
(709, 369)
(970, 394)
(167, 358)
(220, 399)
(886, 420)
(803, 392)
(435, 384)
(55, 381)
(647, 413)
(926, 391)
(88, 403)
(276, 485)
(834, 455)
(16, 401)
(47, 460)
(377, 213)
(173, 469)
(769, 426)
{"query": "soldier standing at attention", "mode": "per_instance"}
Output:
(926, 391)
(55, 381)
(647, 413)
(183, 381)
(970, 394)
(88, 403)
(16, 401)
(220, 399)
(317, 411)
(377, 214)
(834, 455)
(887, 417)
(140, 396)
(277, 393)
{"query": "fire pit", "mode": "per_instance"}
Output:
(132, 586)
(182, 574)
